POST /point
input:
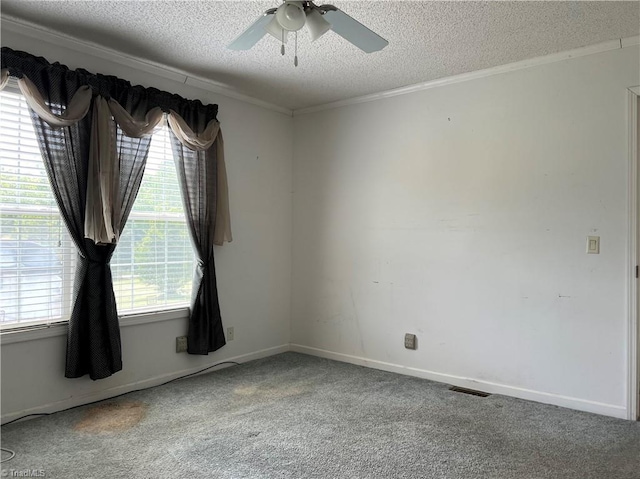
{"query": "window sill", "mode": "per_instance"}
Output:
(10, 336)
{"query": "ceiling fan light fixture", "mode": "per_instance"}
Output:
(290, 16)
(274, 29)
(317, 25)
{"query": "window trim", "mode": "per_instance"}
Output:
(11, 335)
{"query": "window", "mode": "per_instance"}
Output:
(152, 265)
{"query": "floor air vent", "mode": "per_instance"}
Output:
(472, 392)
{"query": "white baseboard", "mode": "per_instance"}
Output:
(486, 386)
(144, 384)
(494, 388)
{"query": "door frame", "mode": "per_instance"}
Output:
(633, 368)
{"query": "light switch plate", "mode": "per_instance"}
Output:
(593, 244)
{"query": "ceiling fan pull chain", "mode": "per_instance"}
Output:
(295, 57)
(282, 47)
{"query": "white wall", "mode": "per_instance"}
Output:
(460, 214)
(253, 271)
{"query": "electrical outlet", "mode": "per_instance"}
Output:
(410, 341)
(181, 344)
(230, 334)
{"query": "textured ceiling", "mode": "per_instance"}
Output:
(427, 40)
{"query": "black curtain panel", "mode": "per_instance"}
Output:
(93, 341)
(93, 345)
(197, 175)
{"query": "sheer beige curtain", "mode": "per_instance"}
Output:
(4, 78)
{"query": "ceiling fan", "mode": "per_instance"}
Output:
(293, 15)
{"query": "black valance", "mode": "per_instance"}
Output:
(57, 79)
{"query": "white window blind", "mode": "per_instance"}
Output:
(153, 263)
(36, 254)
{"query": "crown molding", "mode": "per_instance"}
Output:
(38, 32)
(463, 77)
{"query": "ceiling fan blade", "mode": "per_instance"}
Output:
(355, 32)
(251, 35)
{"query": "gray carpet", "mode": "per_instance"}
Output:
(296, 416)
